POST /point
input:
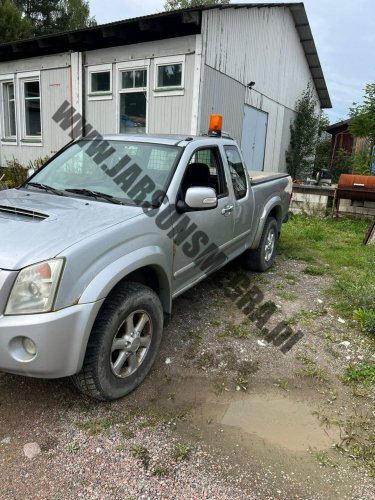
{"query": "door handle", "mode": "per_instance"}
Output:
(227, 210)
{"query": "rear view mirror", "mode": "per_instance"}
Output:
(201, 198)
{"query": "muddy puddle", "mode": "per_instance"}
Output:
(275, 419)
(283, 420)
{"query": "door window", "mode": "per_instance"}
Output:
(237, 171)
(205, 169)
(133, 101)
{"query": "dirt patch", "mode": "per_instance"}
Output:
(225, 413)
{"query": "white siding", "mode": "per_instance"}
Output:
(262, 45)
(54, 89)
(172, 114)
(35, 63)
(166, 115)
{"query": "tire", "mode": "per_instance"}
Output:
(123, 343)
(262, 258)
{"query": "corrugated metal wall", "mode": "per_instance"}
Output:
(222, 95)
(260, 45)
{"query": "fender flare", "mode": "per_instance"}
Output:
(274, 202)
(110, 276)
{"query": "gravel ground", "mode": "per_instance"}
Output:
(167, 439)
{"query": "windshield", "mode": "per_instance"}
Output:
(127, 171)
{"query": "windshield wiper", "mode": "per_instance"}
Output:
(48, 189)
(96, 195)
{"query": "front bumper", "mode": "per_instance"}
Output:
(60, 338)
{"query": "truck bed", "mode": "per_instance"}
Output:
(257, 177)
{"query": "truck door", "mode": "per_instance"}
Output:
(199, 251)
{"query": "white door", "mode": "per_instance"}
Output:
(254, 133)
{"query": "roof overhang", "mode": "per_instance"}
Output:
(161, 26)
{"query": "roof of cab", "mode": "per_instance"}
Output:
(165, 139)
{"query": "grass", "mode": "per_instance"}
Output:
(314, 270)
(363, 374)
(287, 295)
(238, 331)
(312, 370)
(334, 247)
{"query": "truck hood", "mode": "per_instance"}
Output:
(38, 226)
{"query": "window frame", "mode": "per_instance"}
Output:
(220, 167)
(22, 79)
(169, 90)
(232, 146)
(5, 138)
(99, 95)
(139, 64)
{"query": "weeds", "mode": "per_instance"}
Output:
(366, 319)
(206, 360)
(363, 374)
(181, 452)
(282, 384)
(141, 453)
(312, 370)
(237, 331)
(72, 448)
(287, 295)
(159, 471)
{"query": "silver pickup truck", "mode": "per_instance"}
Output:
(97, 243)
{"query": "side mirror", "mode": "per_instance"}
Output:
(200, 198)
(30, 172)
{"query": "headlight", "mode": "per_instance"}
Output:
(35, 288)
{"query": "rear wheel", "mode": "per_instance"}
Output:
(262, 258)
(123, 343)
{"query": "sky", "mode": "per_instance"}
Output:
(343, 31)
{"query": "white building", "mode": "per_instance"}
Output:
(165, 73)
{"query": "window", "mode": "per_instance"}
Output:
(9, 103)
(100, 82)
(237, 171)
(205, 169)
(133, 79)
(32, 114)
(133, 100)
(169, 75)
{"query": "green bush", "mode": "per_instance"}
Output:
(15, 174)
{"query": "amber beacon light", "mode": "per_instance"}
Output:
(216, 125)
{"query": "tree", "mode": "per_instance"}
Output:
(362, 116)
(185, 4)
(75, 14)
(12, 25)
(303, 137)
(51, 16)
(323, 143)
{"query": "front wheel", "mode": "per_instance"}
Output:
(262, 258)
(123, 343)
